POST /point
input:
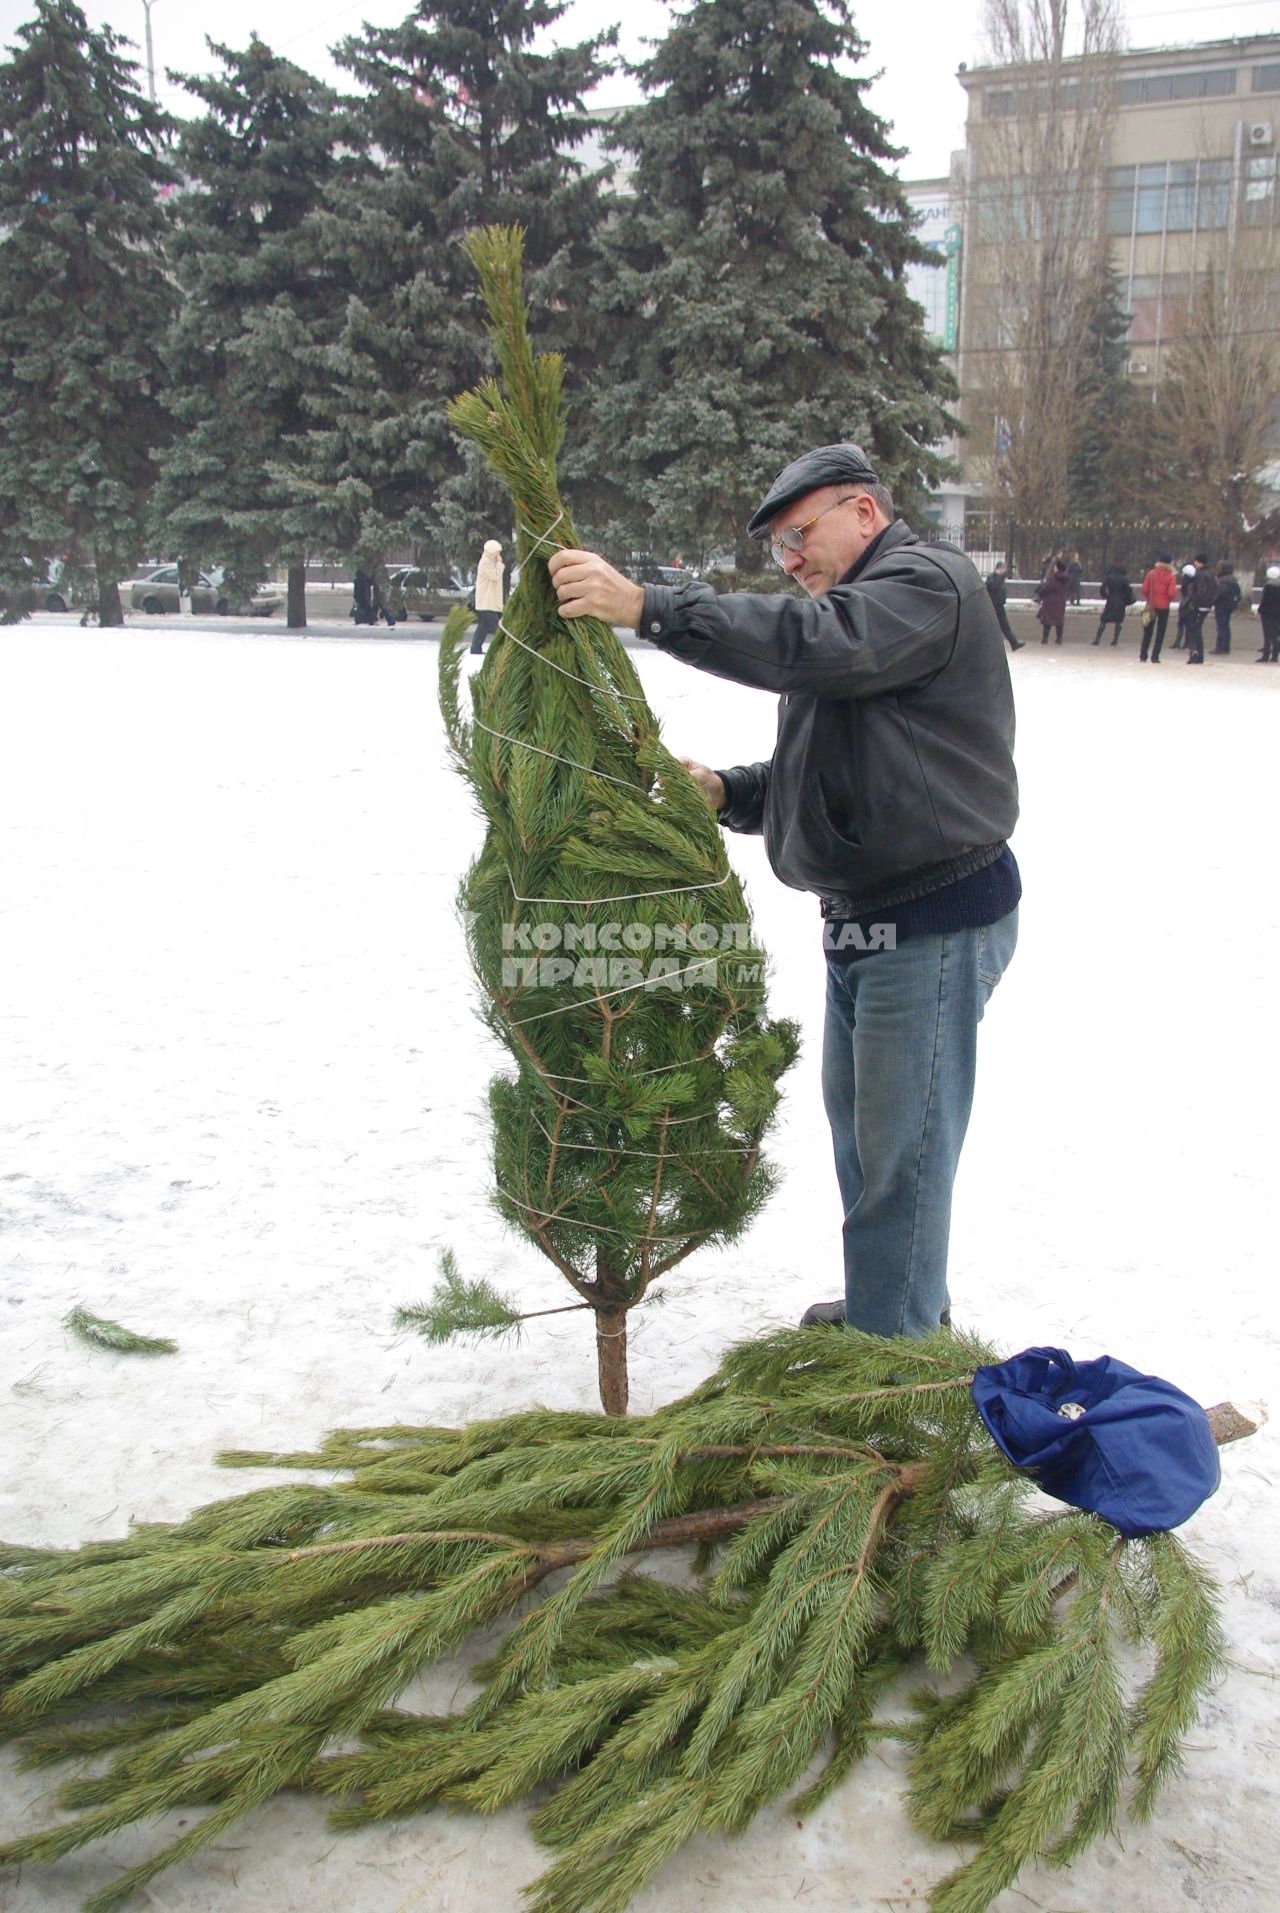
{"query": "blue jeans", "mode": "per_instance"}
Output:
(898, 1057)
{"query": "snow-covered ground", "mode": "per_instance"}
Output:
(242, 1105)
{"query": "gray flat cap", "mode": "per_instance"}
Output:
(829, 465)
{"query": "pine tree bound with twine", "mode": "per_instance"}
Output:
(855, 1528)
(608, 931)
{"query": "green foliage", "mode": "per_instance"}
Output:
(100, 1333)
(458, 1307)
(753, 279)
(858, 1524)
(608, 931)
(1109, 470)
(457, 120)
(85, 298)
(245, 352)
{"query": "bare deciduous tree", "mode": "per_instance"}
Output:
(1038, 243)
(1223, 380)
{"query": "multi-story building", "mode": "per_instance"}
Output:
(936, 289)
(1188, 176)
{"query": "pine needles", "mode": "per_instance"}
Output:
(610, 936)
(99, 1333)
(854, 1525)
(458, 1307)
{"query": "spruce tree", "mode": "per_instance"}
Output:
(85, 298)
(753, 278)
(854, 1526)
(461, 122)
(246, 347)
(1105, 474)
(607, 928)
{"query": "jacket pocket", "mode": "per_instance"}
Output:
(838, 808)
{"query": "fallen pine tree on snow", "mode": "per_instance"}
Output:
(859, 1544)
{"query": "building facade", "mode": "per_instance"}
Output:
(936, 289)
(1187, 177)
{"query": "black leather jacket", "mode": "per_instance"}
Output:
(893, 770)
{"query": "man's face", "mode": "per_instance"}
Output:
(833, 541)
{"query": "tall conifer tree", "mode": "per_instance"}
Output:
(246, 347)
(463, 124)
(85, 297)
(1105, 474)
(755, 277)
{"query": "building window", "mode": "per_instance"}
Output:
(1181, 213)
(1214, 208)
(1266, 79)
(1260, 190)
(1149, 211)
(1175, 196)
(1120, 200)
(1152, 89)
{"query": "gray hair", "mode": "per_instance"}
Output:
(875, 489)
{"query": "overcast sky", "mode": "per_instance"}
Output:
(916, 45)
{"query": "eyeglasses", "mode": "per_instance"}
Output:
(792, 539)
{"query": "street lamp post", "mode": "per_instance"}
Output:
(151, 58)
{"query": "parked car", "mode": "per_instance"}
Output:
(47, 588)
(425, 594)
(647, 571)
(213, 590)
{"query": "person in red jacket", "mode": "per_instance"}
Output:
(1159, 589)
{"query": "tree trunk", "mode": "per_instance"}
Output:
(296, 598)
(611, 1360)
(110, 611)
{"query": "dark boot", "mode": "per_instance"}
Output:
(824, 1315)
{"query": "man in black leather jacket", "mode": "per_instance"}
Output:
(890, 796)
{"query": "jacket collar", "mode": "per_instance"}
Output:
(897, 533)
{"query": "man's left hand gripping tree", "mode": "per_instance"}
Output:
(609, 934)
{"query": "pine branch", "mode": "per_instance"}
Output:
(857, 1526)
(99, 1333)
(458, 1307)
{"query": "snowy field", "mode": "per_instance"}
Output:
(242, 1104)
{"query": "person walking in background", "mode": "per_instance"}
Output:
(1225, 599)
(368, 606)
(489, 599)
(1075, 572)
(1159, 589)
(1052, 593)
(997, 591)
(1185, 577)
(1198, 591)
(1118, 594)
(1269, 617)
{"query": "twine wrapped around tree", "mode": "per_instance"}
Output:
(856, 1529)
(609, 933)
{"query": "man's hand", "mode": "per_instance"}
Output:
(588, 587)
(710, 782)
